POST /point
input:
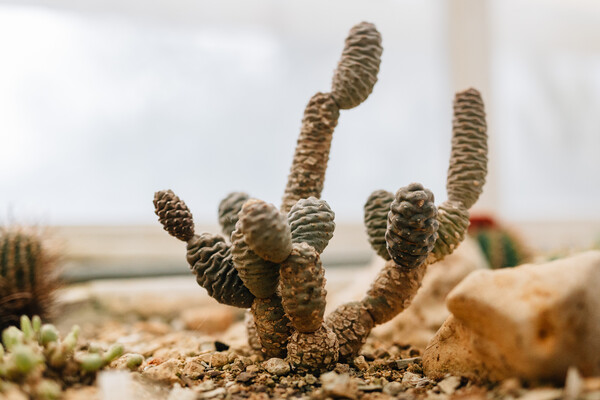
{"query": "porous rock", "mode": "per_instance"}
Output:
(531, 322)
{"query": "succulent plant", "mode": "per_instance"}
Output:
(36, 359)
(501, 247)
(28, 276)
(275, 267)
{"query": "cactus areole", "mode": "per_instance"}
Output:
(269, 258)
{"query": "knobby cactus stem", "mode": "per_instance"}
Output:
(352, 82)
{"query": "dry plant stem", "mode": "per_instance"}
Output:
(229, 209)
(352, 83)
(376, 209)
(303, 288)
(272, 325)
(468, 160)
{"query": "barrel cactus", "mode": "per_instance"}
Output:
(28, 276)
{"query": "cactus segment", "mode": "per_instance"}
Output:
(261, 277)
(412, 226)
(303, 288)
(266, 230)
(351, 324)
(174, 215)
(311, 222)
(468, 159)
(307, 174)
(453, 221)
(376, 209)
(357, 70)
(313, 352)
(392, 291)
(229, 209)
(210, 259)
(272, 325)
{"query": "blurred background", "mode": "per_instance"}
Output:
(104, 102)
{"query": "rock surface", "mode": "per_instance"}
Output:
(531, 322)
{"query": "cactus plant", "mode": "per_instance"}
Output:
(41, 363)
(275, 253)
(28, 276)
(501, 247)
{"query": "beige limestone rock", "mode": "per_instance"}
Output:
(531, 322)
(427, 312)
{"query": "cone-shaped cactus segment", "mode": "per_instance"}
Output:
(261, 277)
(357, 70)
(412, 226)
(174, 215)
(229, 209)
(266, 230)
(377, 208)
(352, 83)
(468, 160)
(303, 288)
(210, 259)
(311, 222)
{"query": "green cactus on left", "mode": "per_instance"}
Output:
(41, 363)
(28, 276)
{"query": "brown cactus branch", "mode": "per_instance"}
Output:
(468, 160)
(272, 326)
(312, 222)
(265, 230)
(410, 236)
(210, 259)
(303, 288)
(352, 83)
(229, 209)
(209, 256)
(376, 212)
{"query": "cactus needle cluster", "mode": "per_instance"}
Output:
(269, 259)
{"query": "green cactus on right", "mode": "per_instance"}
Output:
(501, 247)
(28, 276)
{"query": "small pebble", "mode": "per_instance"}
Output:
(404, 363)
(392, 388)
(245, 377)
(361, 363)
(277, 366)
(449, 385)
(218, 360)
(342, 368)
(310, 379)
